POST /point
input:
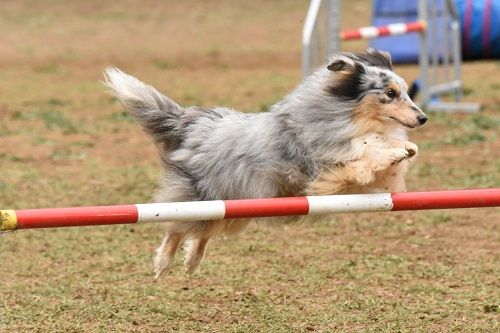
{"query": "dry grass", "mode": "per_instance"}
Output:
(64, 142)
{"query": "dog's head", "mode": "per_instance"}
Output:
(380, 94)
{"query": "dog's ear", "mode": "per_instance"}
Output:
(337, 65)
(347, 62)
(340, 63)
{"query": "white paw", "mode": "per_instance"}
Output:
(193, 255)
(398, 154)
(161, 263)
(411, 148)
(192, 263)
(390, 157)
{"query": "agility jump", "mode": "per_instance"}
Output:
(249, 208)
(438, 28)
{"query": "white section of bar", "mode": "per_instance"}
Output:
(368, 32)
(349, 203)
(397, 28)
(181, 211)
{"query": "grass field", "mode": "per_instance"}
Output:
(65, 142)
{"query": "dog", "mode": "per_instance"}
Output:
(342, 130)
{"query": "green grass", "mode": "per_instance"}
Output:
(258, 287)
(52, 119)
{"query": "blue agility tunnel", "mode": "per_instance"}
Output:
(480, 24)
(479, 21)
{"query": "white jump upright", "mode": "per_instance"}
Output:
(440, 62)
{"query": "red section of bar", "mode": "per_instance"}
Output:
(415, 26)
(350, 34)
(446, 199)
(383, 31)
(74, 217)
(266, 207)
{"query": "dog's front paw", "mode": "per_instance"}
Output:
(411, 148)
(390, 157)
(399, 154)
(411, 151)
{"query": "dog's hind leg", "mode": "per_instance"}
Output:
(194, 252)
(165, 254)
(233, 227)
(195, 247)
(196, 244)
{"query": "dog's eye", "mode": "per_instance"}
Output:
(391, 93)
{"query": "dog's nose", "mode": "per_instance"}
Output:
(422, 119)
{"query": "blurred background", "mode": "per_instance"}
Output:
(65, 141)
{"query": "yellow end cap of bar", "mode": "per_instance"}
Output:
(8, 220)
(424, 24)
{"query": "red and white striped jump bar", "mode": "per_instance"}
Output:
(387, 30)
(229, 209)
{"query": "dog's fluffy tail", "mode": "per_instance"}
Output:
(158, 114)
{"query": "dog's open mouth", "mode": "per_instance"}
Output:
(404, 124)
